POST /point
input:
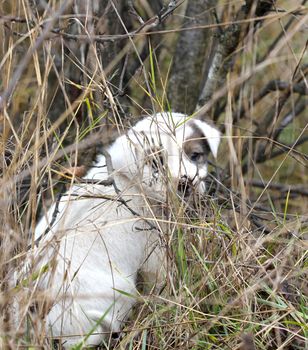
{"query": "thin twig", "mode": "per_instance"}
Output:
(286, 148)
(5, 97)
(300, 106)
(134, 12)
(297, 189)
(262, 156)
(281, 34)
(272, 86)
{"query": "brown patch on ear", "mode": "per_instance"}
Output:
(196, 143)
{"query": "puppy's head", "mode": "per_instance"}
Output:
(197, 141)
(171, 146)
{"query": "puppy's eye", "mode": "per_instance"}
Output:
(195, 156)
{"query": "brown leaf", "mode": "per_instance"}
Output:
(77, 171)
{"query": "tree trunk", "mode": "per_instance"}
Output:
(189, 57)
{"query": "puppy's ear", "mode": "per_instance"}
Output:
(212, 135)
(214, 142)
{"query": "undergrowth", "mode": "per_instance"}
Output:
(237, 268)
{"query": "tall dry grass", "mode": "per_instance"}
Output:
(237, 274)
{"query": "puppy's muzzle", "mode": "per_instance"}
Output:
(185, 186)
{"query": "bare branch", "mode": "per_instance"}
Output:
(287, 148)
(147, 26)
(297, 189)
(228, 41)
(262, 155)
(282, 33)
(299, 107)
(133, 11)
(274, 85)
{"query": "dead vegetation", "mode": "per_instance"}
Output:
(74, 74)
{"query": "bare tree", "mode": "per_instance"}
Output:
(189, 59)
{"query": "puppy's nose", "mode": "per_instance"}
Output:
(185, 186)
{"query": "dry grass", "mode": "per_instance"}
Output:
(238, 261)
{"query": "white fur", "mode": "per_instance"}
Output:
(97, 245)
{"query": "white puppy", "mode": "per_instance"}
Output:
(103, 235)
